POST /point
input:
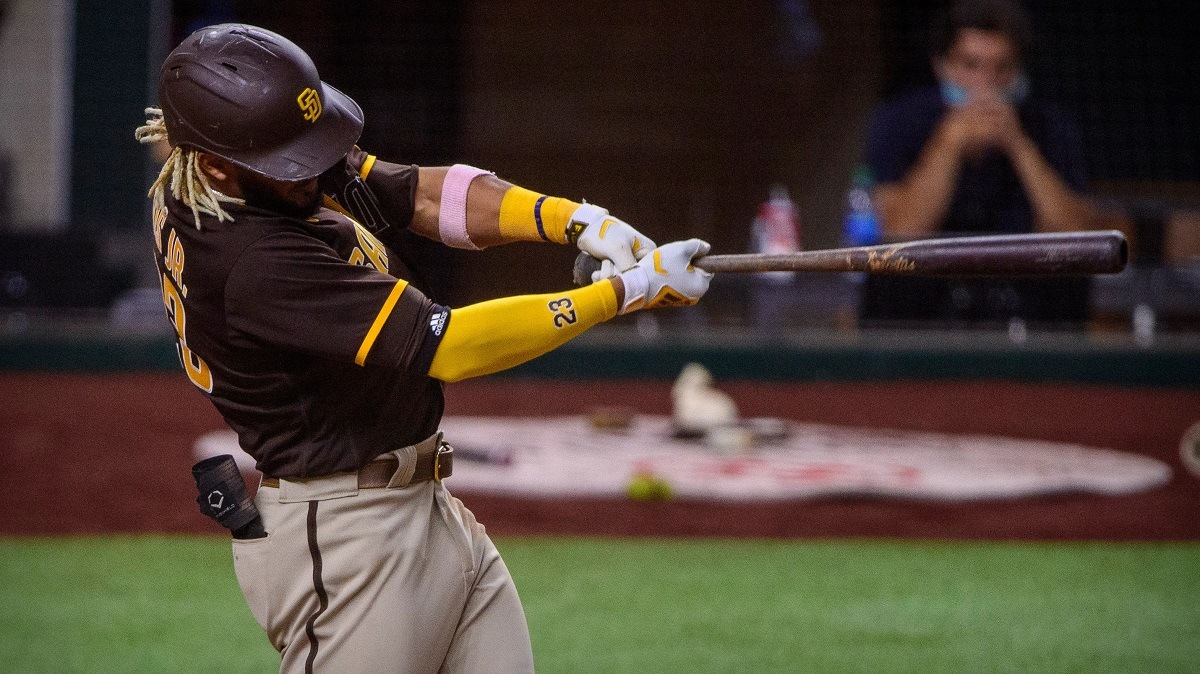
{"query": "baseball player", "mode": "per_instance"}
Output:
(297, 314)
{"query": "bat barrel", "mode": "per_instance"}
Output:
(1058, 254)
(1005, 255)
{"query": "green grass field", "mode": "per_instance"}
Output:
(159, 604)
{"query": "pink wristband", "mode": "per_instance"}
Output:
(452, 216)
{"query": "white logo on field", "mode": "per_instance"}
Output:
(566, 456)
(437, 322)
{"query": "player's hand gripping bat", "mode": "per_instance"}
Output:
(1003, 255)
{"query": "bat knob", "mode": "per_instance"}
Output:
(585, 265)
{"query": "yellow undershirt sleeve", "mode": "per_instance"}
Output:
(367, 165)
(498, 334)
(526, 215)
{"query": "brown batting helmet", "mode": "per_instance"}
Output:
(253, 97)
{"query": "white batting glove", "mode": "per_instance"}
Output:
(607, 239)
(607, 270)
(666, 277)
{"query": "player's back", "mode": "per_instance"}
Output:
(275, 318)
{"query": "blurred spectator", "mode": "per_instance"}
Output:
(977, 154)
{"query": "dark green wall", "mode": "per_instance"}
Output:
(615, 355)
(112, 62)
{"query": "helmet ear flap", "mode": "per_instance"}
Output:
(254, 98)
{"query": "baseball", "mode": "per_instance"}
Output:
(648, 487)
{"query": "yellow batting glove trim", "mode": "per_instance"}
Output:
(498, 334)
(367, 166)
(380, 319)
(669, 297)
(658, 268)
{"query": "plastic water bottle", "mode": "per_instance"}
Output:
(777, 228)
(861, 227)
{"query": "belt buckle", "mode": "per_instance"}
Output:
(443, 449)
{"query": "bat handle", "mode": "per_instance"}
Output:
(585, 265)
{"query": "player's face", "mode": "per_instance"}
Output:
(297, 199)
(980, 61)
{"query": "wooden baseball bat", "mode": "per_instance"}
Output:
(1001, 255)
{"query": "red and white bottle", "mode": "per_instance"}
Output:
(777, 228)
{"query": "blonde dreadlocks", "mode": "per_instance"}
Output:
(182, 172)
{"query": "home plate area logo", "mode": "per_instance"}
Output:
(770, 468)
(569, 456)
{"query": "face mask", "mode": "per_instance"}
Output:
(953, 95)
(957, 96)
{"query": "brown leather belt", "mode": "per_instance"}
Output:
(436, 465)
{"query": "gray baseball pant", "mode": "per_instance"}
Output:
(398, 579)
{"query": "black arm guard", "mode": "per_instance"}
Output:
(342, 184)
(223, 497)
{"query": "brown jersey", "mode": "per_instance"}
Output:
(306, 334)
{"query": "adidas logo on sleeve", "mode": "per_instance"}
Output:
(437, 322)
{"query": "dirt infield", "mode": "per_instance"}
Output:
(83, 454)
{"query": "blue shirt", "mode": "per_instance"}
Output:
(989, 196)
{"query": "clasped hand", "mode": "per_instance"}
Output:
(983, 124)
(609, 239)
(653, 276)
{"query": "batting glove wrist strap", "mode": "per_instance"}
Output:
(637, 283)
